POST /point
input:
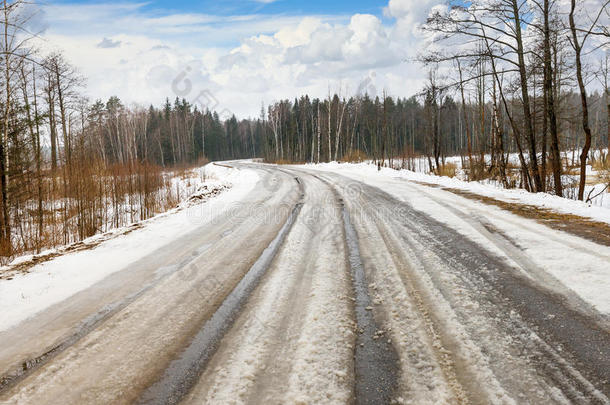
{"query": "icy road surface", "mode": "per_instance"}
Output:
(324, 287)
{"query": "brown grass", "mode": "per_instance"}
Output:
(478, 171)
(572, 170)
(355, 156)
(598, 232)
(283, 162)
(602, 167)
(447, 170)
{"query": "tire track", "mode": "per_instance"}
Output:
(130, 350)
(580, 367)
(294, 340)
(376, 361)
(183, 373)
(516, 253)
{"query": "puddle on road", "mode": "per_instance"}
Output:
(376, 361)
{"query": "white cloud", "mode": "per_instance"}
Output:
(241, 60)
(301, 35)
(413, 12)
(108, 43)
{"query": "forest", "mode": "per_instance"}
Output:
(505, 77)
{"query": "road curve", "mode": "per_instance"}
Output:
(317, 288)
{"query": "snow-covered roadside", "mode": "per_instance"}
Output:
(53, 281)
(542, 200)
(594, 189)
(556, 259)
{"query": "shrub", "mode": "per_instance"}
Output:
(447, 170)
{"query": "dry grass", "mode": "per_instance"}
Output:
(447, 170)
(572, 170)
(355, 156)
(602, 167)
(598, 232)
(284, 162)
(90, 199)
(478, 171)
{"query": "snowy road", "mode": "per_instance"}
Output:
(325, 287)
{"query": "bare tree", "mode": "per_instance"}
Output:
(579, 39)
(546, 9)
(603, 75)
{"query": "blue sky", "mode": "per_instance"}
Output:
(232, 7)
(280, 6)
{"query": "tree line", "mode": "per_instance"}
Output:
(432, 125)
(528, 78)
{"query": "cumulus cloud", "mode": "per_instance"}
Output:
(246, 59)
(413, 11)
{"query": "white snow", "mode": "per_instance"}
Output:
(51, 282)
